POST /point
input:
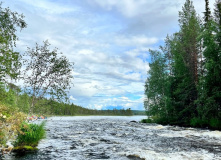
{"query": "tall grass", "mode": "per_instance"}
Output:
(32, 134)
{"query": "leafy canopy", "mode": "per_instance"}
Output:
(47, 73)
(9, 60)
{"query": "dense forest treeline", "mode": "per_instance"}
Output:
(184, 81)
(11, 95)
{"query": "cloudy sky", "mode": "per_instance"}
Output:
(108, 40)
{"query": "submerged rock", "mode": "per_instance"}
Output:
(134, 157)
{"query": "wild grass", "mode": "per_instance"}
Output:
(32, 134)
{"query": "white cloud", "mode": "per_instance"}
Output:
(50, 7)
(98, 107)
(134, 8)
(136, 41)
(72, 98)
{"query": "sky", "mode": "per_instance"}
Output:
(108, 41)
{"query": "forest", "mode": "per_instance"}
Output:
(183, 86)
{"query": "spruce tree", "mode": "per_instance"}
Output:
(171, 86)
(185, 50)
(207, 13)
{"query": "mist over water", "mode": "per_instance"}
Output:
(117, 138)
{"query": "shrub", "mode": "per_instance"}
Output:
(195, 122)
(146, 121)
(215, 123)
(10, 122)
(198, 122)
(32, 134)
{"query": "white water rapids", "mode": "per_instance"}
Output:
(117, 138)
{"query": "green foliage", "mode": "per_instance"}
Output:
(215, 123)
(146, 121)
(3, 140)
(10, 122)
(23, 102)
(32, 134)
(44, 106)
(197, 122)
(47, 73)
(209, 89)
(155, 85)
(183, 85)
(10, 60)
(171, 84)
(138, 112)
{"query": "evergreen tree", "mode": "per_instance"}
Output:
(171, 87)
(207, 13)
(185, 50)
(209, 101)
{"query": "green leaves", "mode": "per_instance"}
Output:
(9, 60)
(155, 85)
(184, 81)
(47, 73)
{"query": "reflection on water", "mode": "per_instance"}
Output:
(117, 138)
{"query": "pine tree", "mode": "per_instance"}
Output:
(209, 89)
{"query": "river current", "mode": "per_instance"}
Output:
(122, 138)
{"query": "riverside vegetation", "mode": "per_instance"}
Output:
(15, 104)
(30, 136)
(184, 81)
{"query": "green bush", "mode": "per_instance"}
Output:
(146, 121)
(198, 122)
(2, 139)
(195, 122)
(215, 123)
(32, 134)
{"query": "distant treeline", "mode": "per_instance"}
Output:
(13, 96)
(184, 81)
(138, 112)
(51, 107)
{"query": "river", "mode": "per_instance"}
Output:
(117, 138)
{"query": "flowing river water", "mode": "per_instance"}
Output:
(121, 138)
